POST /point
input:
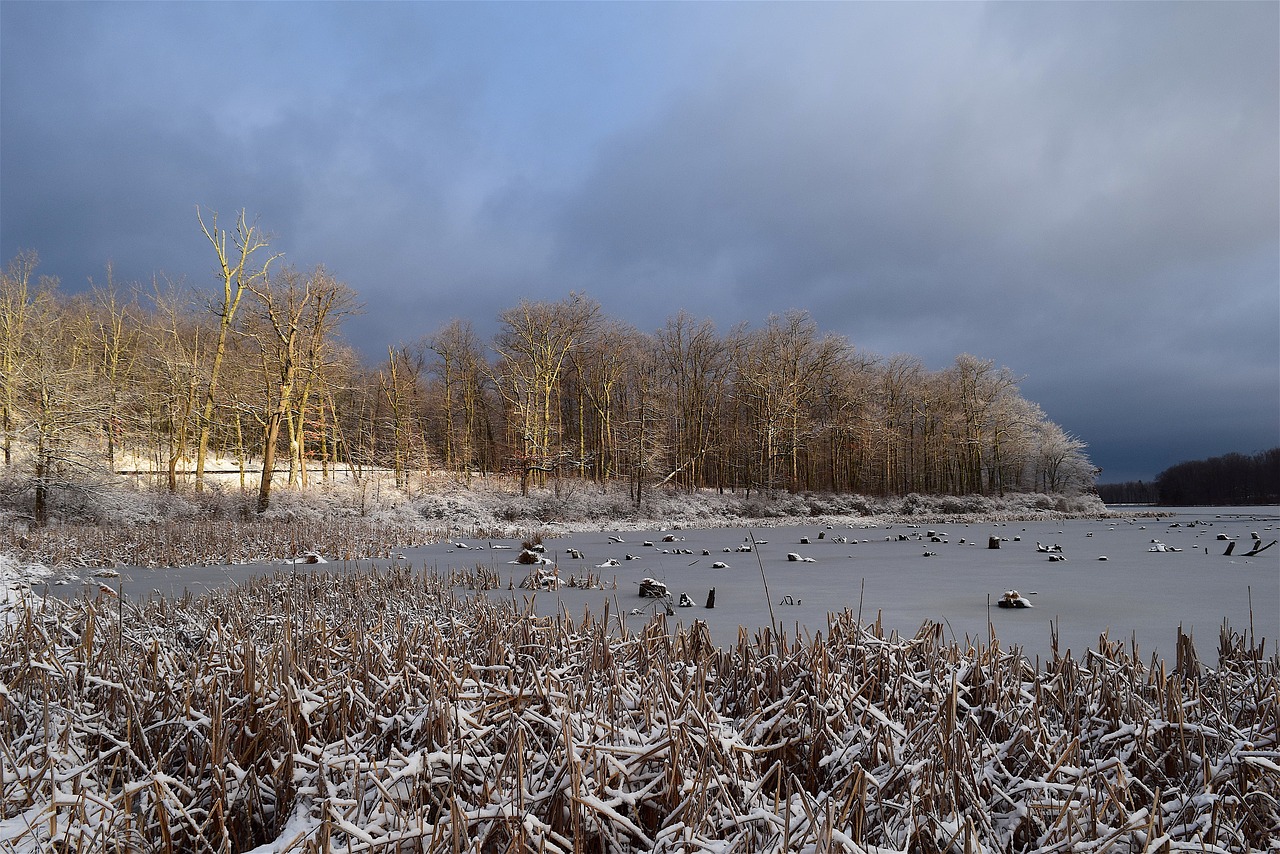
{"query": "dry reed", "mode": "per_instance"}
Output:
(382, 712)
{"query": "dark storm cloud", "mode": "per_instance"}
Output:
(120, 120)
(1086, 193)
(1006, 170)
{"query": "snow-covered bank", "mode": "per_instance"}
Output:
(15, 582)
(579, 507)
(361, 712)
(342, 522)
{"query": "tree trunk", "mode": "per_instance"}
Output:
(41, 510)
(270, 435)
(240, 449)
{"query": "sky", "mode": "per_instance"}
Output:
(1085, 193)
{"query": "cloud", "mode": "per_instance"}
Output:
(1083, 194)
(1086, 193)
(1004, 166)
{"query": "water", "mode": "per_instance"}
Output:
(1136, 594)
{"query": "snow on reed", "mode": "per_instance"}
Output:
(15, 582)
(382, 712)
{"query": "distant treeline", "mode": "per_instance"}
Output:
(178, 381)
(1232, 479)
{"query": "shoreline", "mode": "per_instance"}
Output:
(328, 525)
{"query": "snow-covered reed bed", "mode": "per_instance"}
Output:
(382, 712)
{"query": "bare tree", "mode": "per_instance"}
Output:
(807, 360)
(241, 266)
(571, 391)
(400, 391)
(600, 367)
(642, 426)
(339, 383)
(779, 367)
(60, 398)
(534, 345)
(977, 387)
(840, 404)
(116, 326)
(173, 375)
(296, 313)
(461, 369)
(18, 294)
(1059, 460)
(330, 301)
(696, 368)
(1011, 424)
(900, 379)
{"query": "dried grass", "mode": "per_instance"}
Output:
(382, 712)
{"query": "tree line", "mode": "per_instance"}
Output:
(166, 379)
(1231, 479)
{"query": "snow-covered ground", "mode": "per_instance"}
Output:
(16, 581)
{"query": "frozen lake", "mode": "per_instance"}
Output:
(1134, 593)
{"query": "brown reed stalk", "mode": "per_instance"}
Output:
(820, 733)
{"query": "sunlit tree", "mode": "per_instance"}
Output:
(295, 314)
(242, 263)
(460, 369)
(696, 370)
(19, 294)
(533, 346)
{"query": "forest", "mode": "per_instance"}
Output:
(1231, 479)
(168, 383)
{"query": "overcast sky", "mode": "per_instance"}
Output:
(1086, 193)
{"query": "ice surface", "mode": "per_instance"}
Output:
(1135, 593)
